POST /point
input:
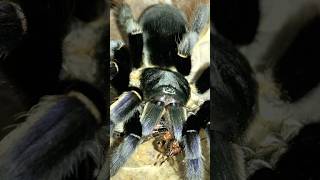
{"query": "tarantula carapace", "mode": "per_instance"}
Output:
(151, 72)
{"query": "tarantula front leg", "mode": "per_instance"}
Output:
(192, 144)
(124, 108)
(133, 132)
(200, 19)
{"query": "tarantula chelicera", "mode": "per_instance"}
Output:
(151, 72)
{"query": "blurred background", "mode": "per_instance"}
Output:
(280, 39)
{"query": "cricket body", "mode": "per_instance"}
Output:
(160, 46)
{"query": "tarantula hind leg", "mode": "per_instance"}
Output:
(132, 28)
(126, 20)
(133, 132)
(200, 19)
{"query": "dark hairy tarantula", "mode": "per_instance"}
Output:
(151, 72)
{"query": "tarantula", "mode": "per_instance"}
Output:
(151, 71)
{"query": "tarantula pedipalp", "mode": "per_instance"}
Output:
(154, 65)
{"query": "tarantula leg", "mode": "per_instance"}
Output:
(133, 130)
(131, 27)
(202, 115)
(191, 140)
(124, 107)
(59, 133)
(200, 19)
(120, 62)
(13, 26)
(136, 49)
(203, 81)
(177, 116)
(151, 115)
(114, 46)
(126, 20)
(192, 149)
